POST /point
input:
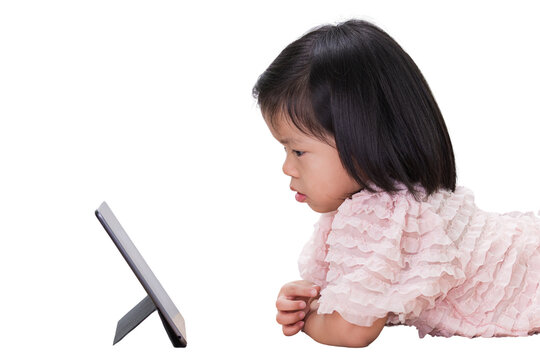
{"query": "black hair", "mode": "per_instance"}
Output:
(352, 81)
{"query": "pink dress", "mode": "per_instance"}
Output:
(440, 264)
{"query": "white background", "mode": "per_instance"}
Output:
(147, 105)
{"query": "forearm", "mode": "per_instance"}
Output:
(316, 326)
(332, 329)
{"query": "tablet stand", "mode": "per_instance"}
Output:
(136, 316)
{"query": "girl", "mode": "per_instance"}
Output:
(397, 241)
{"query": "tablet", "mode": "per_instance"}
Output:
(157, 298)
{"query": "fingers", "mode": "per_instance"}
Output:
(292, 305)
(284, 304)
(290, 330)
(300, 290)
(289, 318)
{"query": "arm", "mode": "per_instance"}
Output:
(332, 329)
(297, 310)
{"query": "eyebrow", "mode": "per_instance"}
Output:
(286, 141)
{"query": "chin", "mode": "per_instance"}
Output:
(320, 210)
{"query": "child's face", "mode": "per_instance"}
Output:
(316, 172)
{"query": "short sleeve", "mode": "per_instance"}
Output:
(387, 254)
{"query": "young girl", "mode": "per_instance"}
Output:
(397, 242)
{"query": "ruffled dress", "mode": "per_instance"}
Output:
(440, 264)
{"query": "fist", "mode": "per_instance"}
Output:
(293, 304)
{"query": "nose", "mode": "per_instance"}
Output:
(288, 167)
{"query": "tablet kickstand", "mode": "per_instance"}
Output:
(137, 315)
(133, 318)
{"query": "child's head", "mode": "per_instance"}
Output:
(352, 89)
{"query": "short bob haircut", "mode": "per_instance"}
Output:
(352, 81)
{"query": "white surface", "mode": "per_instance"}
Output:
(148, 105)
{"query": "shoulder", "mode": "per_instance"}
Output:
(384, 205)
(389, 233)
(404, 242)
(379, 214)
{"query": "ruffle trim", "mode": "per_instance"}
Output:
(311, 263)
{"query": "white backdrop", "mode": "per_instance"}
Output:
(147, 105)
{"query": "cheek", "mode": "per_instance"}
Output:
(344, 182)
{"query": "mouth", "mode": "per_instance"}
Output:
(299, 196)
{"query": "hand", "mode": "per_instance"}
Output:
(293, 304)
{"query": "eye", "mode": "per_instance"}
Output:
(297, 153)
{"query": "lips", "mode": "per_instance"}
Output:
(299, 196)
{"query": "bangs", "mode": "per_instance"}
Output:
(283, 91)
(294, 105)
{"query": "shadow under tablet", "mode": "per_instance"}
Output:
(157, 298)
